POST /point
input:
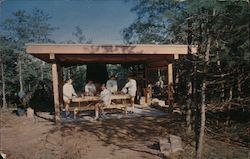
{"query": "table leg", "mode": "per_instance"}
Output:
(75, 113)
(77, 110)
(96, 112)
(126, 109)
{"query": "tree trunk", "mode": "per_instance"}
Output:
(222, 95)
(190, 85)
(64, 74)
(159, 73)
(20, 74)
(203, 120)
(42, 72)
(195, 109)
(188, 116)
(203, 98)
(230, 97)
(68, 73)
(222, 92)
(229, 105)
(239, 84)
(3, 85)
(189, 104)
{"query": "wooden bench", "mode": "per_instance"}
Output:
(92, 100)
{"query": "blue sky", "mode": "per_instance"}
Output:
(101, 20)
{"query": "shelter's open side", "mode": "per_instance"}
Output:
(64, 55)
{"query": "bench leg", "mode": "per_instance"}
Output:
(96, 112)
(76, 111)
(126, 110)
(75, 115)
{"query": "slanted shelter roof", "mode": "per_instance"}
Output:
(73, 54)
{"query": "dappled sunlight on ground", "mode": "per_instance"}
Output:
(114, 138)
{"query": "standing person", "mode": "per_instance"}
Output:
(68, 93)
(90, 89)
(131, 89)
(112, 84)
(105, 97)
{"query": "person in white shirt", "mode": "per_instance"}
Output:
(105, 100)
(112, 84)
(131, 88)
(90, 89)
(68, 93)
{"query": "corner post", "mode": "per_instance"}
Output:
(60, 84)
(170, 87)
(55, 88)
(148, 88)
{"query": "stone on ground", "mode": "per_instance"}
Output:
(176, 143)
(165, 147)
(170, 145)
(30, 113)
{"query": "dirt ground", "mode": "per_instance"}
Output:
(134, 138)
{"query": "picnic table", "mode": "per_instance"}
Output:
(89, 102)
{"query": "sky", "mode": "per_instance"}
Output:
(101, 20)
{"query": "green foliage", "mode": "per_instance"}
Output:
(226, 23)
(151, 25)
(16, 31)
(23, 28)
(81, 38)
(79, 76)
(8, 57)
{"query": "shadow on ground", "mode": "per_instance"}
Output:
(136, 134)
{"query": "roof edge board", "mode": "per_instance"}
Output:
(105, 49)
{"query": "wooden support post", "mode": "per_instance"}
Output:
(176, 56)
(60, 84)
(56, 92)
(170, 87)
(146, 74)
(146, 92)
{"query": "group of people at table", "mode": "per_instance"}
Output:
(107, 90)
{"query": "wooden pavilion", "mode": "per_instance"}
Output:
(64, 55)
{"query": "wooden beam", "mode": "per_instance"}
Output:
(176, 56)
(52, 56)
(170, 86)
(100, 59)
(158, 64)
(60, 84)
(105, 49)
(146, 83)
(156, 68)
(170, 73)
(56, 92)
(146, 75)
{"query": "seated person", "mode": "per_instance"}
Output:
(112, 84)
(68, 93)
(105, 97)
(90, 89)
(131, 89)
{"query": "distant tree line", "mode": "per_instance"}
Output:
(22, 73)
(25, 75)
